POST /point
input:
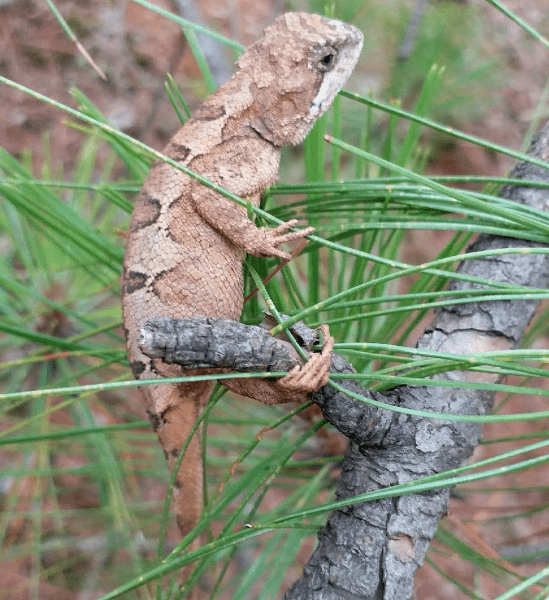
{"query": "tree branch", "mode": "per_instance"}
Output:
(372, 550)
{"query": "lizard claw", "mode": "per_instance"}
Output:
(313, 374)
(293, 235)
(270, 240)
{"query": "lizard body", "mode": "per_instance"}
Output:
(187, 242)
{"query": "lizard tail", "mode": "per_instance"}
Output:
(173, 426)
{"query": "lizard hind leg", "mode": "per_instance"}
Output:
(300, 381)
(314, 374)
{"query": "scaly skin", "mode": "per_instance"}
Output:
(187, 242)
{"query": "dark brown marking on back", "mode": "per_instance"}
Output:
(138, 367)
(207, 112)
(155, 420)
(178, 152)
(149, 211)
(133, 281)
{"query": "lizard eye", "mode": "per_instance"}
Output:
(326, 61)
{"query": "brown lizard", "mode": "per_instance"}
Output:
(187, 242)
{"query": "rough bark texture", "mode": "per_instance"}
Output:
(372, 550)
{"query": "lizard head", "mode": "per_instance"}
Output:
(295, 70)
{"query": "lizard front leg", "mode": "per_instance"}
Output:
(230, 220)
(254, 240)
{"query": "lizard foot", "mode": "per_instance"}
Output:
(313, 374)
(267, 241)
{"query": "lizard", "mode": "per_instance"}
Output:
(186, 241)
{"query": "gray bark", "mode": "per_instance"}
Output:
(371, 550)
